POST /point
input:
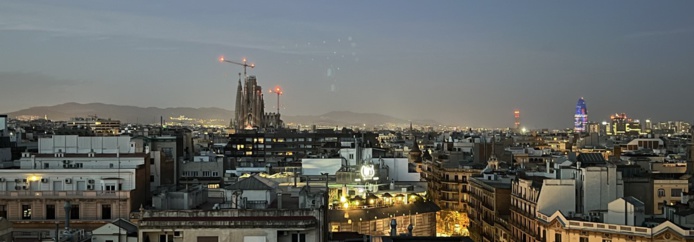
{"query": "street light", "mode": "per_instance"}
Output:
(279, 92)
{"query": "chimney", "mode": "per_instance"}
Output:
(393, 228)
(67, 208)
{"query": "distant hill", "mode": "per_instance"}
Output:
(127, 114)
(345, 118)
(132, 114)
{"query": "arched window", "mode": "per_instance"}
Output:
(661, 192)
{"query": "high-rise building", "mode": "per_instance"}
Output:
(250, 107)
(516, 116)
(581, 116)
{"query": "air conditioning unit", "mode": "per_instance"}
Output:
(44, 180)
(17, 187)
(25, 188)
(17, 180)
(66, 166)
(68, 180)
(90, 187)
(91, 181)
(24, 180)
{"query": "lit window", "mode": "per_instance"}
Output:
(26, 212)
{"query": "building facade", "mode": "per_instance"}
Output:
(490, 200)
(250, 107)
(581, 117)
(248, 225)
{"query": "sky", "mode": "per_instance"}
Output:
(467, 63)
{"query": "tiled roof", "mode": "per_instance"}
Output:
(591, 159)
(254, 182)
(125, 225)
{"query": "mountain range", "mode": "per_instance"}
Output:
(133, 114)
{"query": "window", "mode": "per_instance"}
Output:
(26, 212)
(168, 151)
(298, 237)
(105, 211)
(351, 156)
(206, 173)
(206, 239)
(50, 211)
(75, 212)
(606, 240)
(661, 192)
(151, 178)
(676, 192)
(167, 238)
(215, 173)
(46, 165)
(557, 237)
(3, 211)
(583, 239)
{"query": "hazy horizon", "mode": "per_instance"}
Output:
(456, 62)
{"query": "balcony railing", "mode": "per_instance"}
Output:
(65, 194)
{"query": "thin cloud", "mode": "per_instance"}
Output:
(647, 34)
(61, 21)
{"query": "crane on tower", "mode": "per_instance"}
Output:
(244, 64)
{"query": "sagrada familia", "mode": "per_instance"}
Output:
(250, 108)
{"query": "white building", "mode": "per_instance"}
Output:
(102, 179)
(626, 211)
(111, 232)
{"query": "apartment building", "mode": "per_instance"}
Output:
(489, 211)
(91, 173)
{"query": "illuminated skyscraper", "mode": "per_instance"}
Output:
(516, 116)
(581, 117)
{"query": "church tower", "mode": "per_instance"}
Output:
(250, 107)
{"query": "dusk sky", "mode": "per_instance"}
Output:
(457, 62)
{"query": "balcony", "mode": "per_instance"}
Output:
(521, 212)
(64, 194)
(449, 199)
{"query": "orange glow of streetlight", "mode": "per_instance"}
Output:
(221, 59)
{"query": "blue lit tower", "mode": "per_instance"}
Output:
(581, 116)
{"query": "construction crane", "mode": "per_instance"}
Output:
(244, 64)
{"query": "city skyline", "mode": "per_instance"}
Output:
(474, 62)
